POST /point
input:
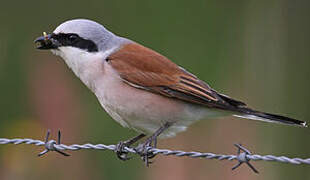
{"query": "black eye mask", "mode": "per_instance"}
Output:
(75, 40)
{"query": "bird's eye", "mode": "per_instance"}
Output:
(72, 37)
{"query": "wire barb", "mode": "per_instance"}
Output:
(50, 145)
(242, 157)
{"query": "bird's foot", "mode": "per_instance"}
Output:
(151, 142)
(143, 150)
(120, 147)
(120, 152)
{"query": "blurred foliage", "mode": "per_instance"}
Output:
(257, 51)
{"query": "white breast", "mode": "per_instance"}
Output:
(87, 66)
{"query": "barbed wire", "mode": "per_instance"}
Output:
(243, 155)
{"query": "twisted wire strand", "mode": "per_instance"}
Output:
(242, 157)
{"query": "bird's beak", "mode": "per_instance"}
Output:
(46, 42)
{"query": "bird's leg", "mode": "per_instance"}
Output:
(142, 149)
(120, 146)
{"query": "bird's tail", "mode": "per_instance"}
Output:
(262, 116)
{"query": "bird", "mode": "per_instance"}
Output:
(140, 88)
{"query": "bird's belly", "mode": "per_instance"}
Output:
(144, 111)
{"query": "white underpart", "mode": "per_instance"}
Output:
(87, 66)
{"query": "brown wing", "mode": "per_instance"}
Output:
(144, 68)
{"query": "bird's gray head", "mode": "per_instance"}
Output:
(83, 34)
(83, 45)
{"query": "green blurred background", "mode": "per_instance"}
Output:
(255, 51)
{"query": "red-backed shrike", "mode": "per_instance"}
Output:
(140, 88)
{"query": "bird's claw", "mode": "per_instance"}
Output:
(120, 152)
(145, 154)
